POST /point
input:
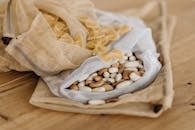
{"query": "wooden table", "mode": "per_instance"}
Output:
(16, 88)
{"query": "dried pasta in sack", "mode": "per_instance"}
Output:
(34, 44)
(51, 33)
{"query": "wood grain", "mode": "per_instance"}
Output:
(16, 88)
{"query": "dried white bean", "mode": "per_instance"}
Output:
(91, 76)
(134, 76)
(85, 89)
(100, 89)
(132, 64)
(81, 84)
(84, 77)
(96, 102)
(125, 57)
(118, 77)
(121, 61)
(113, 75)
(132, 58)
(132, 69)
(140, 66)
(105, 79)
(113, 70)
(106, 75)
(111, 80)
(129, 54)
(124, 84)
(94, 74)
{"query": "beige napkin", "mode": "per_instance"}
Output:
(149, 102)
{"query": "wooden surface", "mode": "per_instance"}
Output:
(16, 88)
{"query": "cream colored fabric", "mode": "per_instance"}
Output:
(34, 51)
(34, 44)
(19, 15)
(149, 102)
(7, 62)
(36, 47)
(69, 11)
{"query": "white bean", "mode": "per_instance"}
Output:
(96, 102)
(125, 57)
(132, 58)
(106, 75)
(111, 80)
(121, 61)
(105, 79)
(99, 89)
(132, 64)
(129, 54)
(132, 69)
(118, 77)
(85, 89)
(113, 70)
(83, 77)
(113, 75)
(81, 84)
(140, 66)
(134, 76)
(91, 76)
(124, 84)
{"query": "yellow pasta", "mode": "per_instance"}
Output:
(50, 19)
(67, 38)
(123, 29)
(78, 40)
(98, 39)
(114, 54)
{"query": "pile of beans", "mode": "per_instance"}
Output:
(119, 75)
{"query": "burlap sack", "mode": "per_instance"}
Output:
(148, 102)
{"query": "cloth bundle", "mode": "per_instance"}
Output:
(34, 47)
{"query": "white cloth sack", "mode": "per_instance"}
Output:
(139, 40)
